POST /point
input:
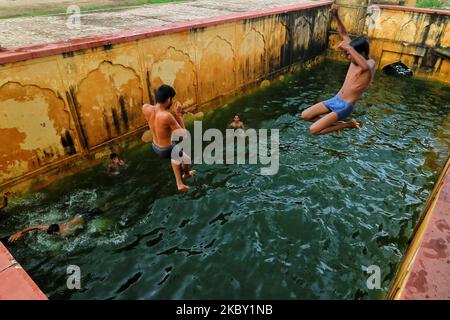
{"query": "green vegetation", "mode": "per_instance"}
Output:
(433, 4)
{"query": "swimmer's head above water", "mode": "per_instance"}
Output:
(53, 228)
(236, 123)
(4, 202)
(115, 164)
(114, 158)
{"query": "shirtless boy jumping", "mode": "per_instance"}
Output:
(326, 114)
(162, 124)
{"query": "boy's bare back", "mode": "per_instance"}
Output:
(356, 82)
(159, 122)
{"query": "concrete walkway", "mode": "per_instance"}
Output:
(425, 271)
(18, 32)
(15, 283)
(11, 8)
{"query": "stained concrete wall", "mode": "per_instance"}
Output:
(65, 102)
(354, 12)
(420, 38)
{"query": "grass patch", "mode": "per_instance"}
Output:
(433, 4)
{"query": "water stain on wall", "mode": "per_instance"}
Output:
(109, 101)
(34, 123)
(217, 69)
(176, 68)
(252, 57)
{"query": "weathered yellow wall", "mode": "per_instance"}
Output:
(398, 35)
(354, 12)
(34, 118)
(58, 110)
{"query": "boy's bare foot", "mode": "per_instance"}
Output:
(183, 188)
(189, 174)
(355, 124)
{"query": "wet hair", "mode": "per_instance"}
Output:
(113, 156)
(164, 92)
(54, 228)
(361, 45)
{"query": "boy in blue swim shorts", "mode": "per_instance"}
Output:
(328, 115)
(163, 124)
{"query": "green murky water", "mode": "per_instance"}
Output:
(337, 205)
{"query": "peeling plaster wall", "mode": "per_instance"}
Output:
(398, 34)
(36, 126)
(62, 108)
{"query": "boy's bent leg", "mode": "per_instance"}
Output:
(176, 167)
(328, 124)
(323, 123)
(338, 127)
(324, 115)
(186, 166)
(314, 111)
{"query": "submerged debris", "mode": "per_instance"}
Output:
(398, 69)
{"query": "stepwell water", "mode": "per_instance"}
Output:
(338, 205)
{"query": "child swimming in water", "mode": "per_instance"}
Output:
(62, 229)
(5, 200)
(115, 164)
(359, 76)
(236, 123)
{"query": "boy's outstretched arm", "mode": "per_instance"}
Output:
(341, 28)
(19, 234)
